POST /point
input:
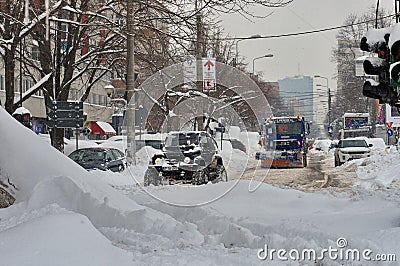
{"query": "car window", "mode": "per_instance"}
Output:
(76, 155)
(91, 155)
(354, 143)
(208, 143)
(154, 143)
(182, 139)
(117, 154)
(110, 155)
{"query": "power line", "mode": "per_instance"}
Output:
(306, 32)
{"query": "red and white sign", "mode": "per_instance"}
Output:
(392, 115)
(209, 76)
(389, 124)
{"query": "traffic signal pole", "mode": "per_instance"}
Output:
(130, 85)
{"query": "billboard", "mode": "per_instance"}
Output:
(355, 120)
(392, 115)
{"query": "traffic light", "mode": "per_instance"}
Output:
(381, 91)
(378, 66)
(26, 120)
(395, 65)
(23, 116)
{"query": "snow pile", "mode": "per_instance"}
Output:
(379, 170)
(48, 177)
(48, 236)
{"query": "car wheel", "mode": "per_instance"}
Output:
(222, 174)
(200, 177)
(151, 177)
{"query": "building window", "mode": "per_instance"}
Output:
(102, 100)
(35, 54)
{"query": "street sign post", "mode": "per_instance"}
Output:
(65, 114)
(209, 76)
(62, 114)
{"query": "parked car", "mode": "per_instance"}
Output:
(320, 145)
(351, 148)
(120, 142)
(100, 158)
(187, 157)
(378, 144)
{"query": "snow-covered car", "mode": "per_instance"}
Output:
(120, 142)
(351, 148)
(99, 158)
(321, 145)
(378, 144)
(187, 157)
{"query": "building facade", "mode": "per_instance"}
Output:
(297, 93)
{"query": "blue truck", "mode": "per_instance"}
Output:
(283, 142)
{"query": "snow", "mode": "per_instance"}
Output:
(380, 170)
(21, 110)
(64, 215)
(57, 246)
(106, 127)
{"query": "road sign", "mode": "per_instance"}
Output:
(65, 123)
(64, 114)
(390, 132)
(189, 70)
(330, 129)
(56, 114)
(389, 124)
(62, 105)
(209, 76)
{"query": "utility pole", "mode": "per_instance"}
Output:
(130, 85)
(199, 54)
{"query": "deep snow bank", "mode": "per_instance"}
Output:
(380, 170)
(54, 236)
(45, 176)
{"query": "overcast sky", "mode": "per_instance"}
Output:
(305, 55)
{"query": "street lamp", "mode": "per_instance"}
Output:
(254, 59)
(329, 95)
(109, 89)
(255, 36)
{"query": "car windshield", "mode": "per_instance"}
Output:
(87, 155)
(353, 143)
(181, 139)
(285, 129)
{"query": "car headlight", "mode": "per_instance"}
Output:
(158, 161)
(186, 160)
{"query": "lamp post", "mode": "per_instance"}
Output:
(255, 36)
(329, 95)
(109, 90)
(254, 59)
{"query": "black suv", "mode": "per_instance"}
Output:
(187, 157)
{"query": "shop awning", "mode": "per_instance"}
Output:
(102, 128)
